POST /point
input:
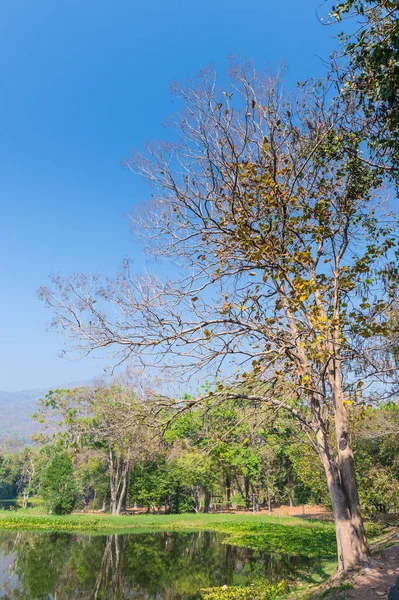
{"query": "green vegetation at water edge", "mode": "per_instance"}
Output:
(288, 535)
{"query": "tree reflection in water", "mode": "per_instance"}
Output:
(146, 566)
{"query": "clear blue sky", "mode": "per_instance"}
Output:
(81, 83)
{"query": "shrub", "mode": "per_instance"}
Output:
(58, 485)
(251, 592)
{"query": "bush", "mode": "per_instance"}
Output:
(58, 485)
(238, 501)
(251, 592)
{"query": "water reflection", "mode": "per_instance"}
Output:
(150, 566)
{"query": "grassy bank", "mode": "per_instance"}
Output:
(272, 534)
(290, 535)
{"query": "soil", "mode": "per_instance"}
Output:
(308, 511)
(377, 582)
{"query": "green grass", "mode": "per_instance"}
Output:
(291, 535)
(269, 533)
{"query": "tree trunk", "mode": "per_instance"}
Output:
(351, 539)
(290, 487)
(255, 500)
(123, 485)
(197, 499)
(113, 484)
(207, 502)
(118, 481)
(247, 498)
(228, 488)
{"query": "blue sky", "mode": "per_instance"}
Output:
(81, 83)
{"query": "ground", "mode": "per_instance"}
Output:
(376, 582)
(372, 583)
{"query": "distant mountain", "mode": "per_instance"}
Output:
(16, 409)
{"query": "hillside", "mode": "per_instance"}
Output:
(16, 409)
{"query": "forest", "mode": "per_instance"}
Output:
(99, 452)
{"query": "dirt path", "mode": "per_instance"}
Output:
(376, 583)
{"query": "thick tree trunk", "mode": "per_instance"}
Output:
(207, 502)
(351, 539)
(124, 498)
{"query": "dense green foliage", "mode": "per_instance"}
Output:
(58, 486)
(370, 72)
(223, 461)
(10, 469)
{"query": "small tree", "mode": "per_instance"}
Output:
(27, 476)
(58, 486)
(287, 281)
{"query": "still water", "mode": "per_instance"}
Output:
(145, 566)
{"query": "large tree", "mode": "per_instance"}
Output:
(283, 251)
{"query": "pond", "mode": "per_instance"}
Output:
(150, 566)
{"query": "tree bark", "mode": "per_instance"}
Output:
(207, 502)
(351, 539)
(228, 487)
(255, 500)
(119, 479)
(123, 486)
(290, 487)
(247, 498)
(197, 499)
